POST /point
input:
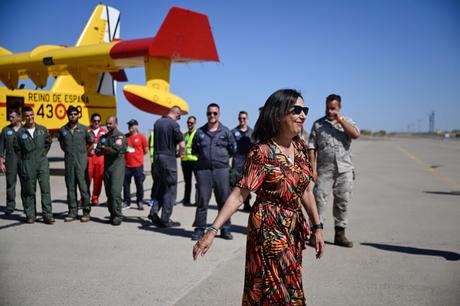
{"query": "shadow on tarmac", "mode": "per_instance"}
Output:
(146, 224)
(451, 256)
(57, 172)
(444, 192)
(21, 220)
(13, 217)
(55, 159)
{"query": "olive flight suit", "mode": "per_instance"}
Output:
(11, 163)
(113, 146)
(74, 143)
(31, 151)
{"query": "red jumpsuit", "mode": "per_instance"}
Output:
(96, 167)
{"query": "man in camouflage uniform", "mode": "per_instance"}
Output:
(8, 160)
(75, 140)
(113, 146)
(329, 152)
(31, 145)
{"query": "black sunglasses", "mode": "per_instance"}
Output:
(212, 113)
(298, 109)
(242, 118)
(190, 122)
(73, 114)
(95, 120)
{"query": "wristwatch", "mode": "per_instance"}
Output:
(317, 226)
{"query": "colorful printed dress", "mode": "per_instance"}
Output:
(277, 229)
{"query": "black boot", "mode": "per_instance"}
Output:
(340, 239)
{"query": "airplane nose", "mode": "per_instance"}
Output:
(153, 100)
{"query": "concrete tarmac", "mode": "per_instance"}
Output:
(403, 221)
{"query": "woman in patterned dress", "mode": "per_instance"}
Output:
(278, 171)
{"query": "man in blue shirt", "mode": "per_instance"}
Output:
(214, 144)
(167, 136)
(244, 142)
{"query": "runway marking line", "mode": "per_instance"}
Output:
(451, 182)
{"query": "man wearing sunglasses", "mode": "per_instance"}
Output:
(244, 142)
(214, 144)
(95, 163)
(329, 152)
(188, 162)
(76, 141)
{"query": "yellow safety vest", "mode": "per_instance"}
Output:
(188, 147)
(151, 150)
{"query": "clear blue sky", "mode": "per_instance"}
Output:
(392, 61)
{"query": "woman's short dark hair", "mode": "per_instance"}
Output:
(277, 105)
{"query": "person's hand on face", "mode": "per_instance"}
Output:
(333, 110)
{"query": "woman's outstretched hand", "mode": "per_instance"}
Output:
(319, 243)
(203, 245)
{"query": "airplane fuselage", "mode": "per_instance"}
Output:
(50, 107)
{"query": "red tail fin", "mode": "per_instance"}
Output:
(185, 36)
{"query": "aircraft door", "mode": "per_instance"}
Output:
(14, 102)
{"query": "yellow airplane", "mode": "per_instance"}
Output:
(86, 74)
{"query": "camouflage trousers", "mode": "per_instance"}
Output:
(341, 185)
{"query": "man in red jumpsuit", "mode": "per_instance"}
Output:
(96, 163)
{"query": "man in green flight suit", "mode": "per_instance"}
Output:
(31, 144)
(113, 146)
(75, 139)
(8, 160)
